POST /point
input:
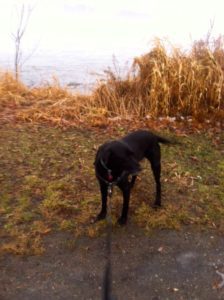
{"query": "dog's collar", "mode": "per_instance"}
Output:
(109, 174)
(109, 181)
(109, 171)
(104, 165)
(112, 182)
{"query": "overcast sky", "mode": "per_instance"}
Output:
(109, 26)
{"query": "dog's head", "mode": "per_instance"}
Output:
(118, 157)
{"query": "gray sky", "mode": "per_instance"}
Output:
(103, 26)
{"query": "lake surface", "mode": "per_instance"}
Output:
(77, 70)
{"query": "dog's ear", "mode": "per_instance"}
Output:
(129, 151)
(132, 165)
(102, 153)
(106, 156)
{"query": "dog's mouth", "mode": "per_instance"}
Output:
(134, 171)
(122, 168)
(133, 168)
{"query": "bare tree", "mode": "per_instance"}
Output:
(23, 14)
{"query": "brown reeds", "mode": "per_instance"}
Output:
(56, 104)
(12, 92)
(160, 83)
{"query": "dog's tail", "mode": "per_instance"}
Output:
(166, 141)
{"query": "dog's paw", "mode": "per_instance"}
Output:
(122, 221)
(101, 216)
(156, 206)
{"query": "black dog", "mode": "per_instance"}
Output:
(116, 160)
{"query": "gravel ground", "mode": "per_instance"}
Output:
(163, 265)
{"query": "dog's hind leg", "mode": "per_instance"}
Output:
(156, 168)
(103, 212)
(155, 160)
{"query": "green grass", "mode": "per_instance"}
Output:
(48, 184)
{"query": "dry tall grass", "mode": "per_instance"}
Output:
(12, 92)
(168, 84)
(158, 84)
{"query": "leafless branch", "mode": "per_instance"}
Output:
(23, 14)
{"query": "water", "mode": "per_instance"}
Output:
(79, 71)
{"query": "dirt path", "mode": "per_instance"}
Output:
(165, 265)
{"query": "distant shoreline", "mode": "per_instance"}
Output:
(74, 70)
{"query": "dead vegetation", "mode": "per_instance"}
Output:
(45, 170)
(164, 83)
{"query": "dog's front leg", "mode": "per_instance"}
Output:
(103, 212)
(126, 189)
(133, 179)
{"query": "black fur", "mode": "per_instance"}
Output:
(122, 158)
